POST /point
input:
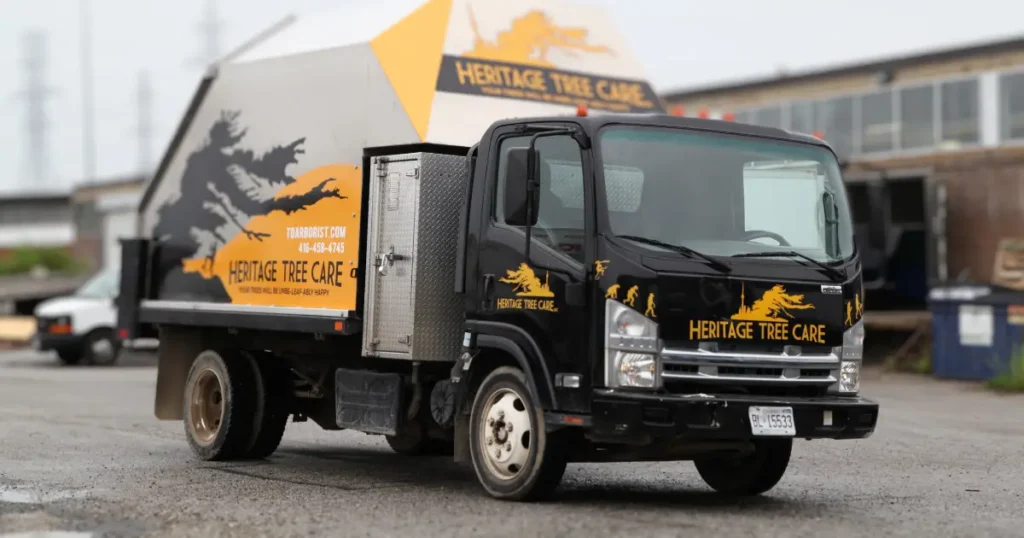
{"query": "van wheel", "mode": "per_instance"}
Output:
(100, 348)
(220, 399)
(513, 455)
(749, 475)
(273, 393)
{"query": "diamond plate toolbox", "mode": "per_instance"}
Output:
(412, 311)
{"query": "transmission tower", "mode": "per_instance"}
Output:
(35, 94)
(88, 96)
(210, 32)
(144, 128)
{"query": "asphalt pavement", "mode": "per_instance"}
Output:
(81, 455)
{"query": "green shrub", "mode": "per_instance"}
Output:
(1012, 380)
(24, 259)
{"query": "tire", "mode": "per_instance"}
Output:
(749, 475)
(272, 405)
(100, 348)
(70, 357)
(534, 466)
(219, 403)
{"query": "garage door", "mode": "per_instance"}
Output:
(115, 226)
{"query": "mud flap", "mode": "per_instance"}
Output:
(369, 402)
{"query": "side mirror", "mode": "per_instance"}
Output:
(520, 179)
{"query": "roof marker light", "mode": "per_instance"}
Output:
(581, 110)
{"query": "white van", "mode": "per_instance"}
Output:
(81, 327)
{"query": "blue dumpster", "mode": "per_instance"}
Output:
(976, 330)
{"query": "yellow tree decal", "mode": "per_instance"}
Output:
(529, 39)
(526, 283)
(775, 301)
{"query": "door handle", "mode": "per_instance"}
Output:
(488, 292)
(388, 259)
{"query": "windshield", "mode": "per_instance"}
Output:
(101, 286)
(724, 195)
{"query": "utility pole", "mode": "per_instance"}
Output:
(88, 104)
(210, 33)
(144, 129)
(35, 94)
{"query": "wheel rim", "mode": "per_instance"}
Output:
(102, 350)
(206, 407)
(505, 434)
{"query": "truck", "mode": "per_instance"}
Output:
(475, 231)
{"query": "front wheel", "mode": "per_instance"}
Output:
(749, 475)
(513, 456)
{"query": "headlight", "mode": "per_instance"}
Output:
(849, 377)
(852, 356)
(630, 348)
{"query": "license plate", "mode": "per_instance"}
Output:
(772, 421)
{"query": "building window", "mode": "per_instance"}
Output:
(801, 117)
(960, 114)
(1011, 106)
(876, 122)
(917, 117)
(835, 121)
(768, 117)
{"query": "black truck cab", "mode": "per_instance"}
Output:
(670, 288)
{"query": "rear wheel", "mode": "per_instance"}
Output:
(220, 400)
(513, 455)
(273, 392)
(100, 348)
(749, 475)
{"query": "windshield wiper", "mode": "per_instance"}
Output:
(686, 251)
(832, 272)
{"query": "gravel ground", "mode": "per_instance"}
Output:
(80, 453)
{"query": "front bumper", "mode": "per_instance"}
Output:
(56, 342)
(631, 415)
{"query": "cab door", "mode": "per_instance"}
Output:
(540, 301)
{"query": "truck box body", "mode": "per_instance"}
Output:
(260, 205)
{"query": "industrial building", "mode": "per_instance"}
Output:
(86, 222)
(933, 150)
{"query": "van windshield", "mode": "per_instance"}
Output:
(104, 285)
(724, 195)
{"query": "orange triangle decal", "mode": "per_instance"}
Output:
(410, 54)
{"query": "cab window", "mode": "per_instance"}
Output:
(560, 217)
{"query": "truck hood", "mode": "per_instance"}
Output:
(62, 306)
(735, 311)
(768, 313)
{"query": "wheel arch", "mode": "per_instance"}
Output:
(520, 347)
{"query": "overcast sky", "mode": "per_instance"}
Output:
(683, 43)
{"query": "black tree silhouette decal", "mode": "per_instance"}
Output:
(223, 187)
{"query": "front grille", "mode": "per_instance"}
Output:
(789, 366)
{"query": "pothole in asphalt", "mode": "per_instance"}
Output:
(47, 534)
(28, 496)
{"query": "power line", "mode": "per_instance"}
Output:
(35, 94)
(144, 128)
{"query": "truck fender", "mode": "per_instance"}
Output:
(518, 344)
